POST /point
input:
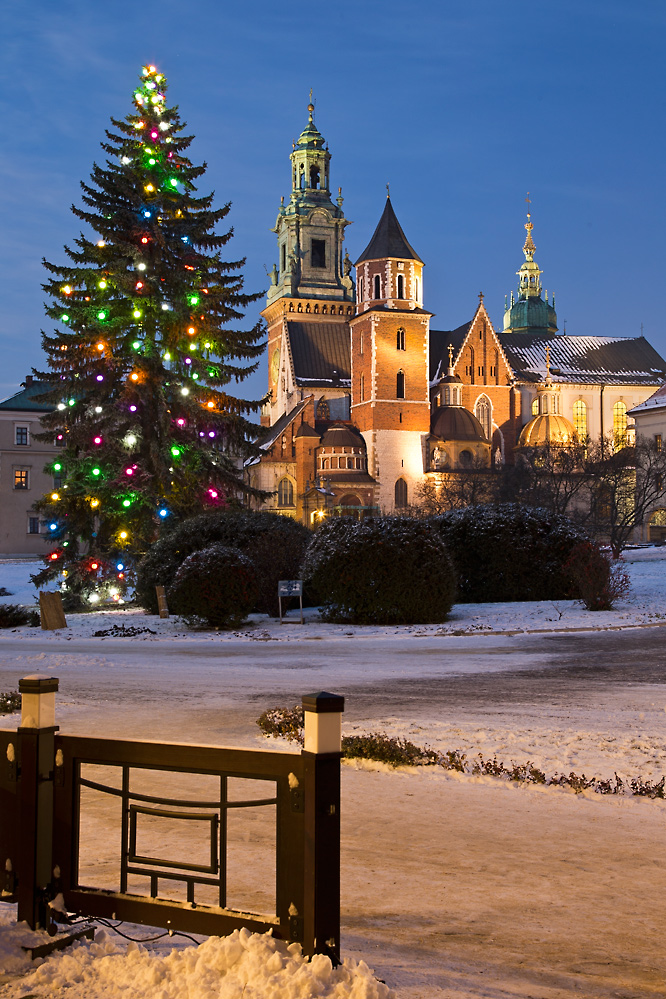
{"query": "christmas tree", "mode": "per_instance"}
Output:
(142, 361)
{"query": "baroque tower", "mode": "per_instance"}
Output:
(312, 279)
(530, 314)
(389, 362)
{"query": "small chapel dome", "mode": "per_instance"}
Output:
(547, 428)
(341, 435)
(450, 379)
(453, 423)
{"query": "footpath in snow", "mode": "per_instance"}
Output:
(453, 886)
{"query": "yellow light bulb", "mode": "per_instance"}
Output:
(149, 188)
(123, 535)
(94, 502)
(135, 377)
(211, 405)
(100, 346)
(55, 496)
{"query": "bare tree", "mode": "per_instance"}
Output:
(551, 476)
(453, 490)
(626, 484)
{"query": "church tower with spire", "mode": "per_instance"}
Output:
(389, 362)
(530, 313)
(311, 280)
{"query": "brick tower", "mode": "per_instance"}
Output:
(389, 362)
(311, 283)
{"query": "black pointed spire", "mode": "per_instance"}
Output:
(389, 240)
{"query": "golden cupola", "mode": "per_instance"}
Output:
(548, 426)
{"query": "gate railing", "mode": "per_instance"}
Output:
(44, 778)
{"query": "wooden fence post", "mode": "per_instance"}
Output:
(322, 753)
(36, 745)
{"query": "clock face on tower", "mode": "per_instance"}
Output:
(275, 365)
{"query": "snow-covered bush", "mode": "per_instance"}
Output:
(389, 570)
(596, 577)
(275, 545)
(14, 615)
(509, 552)
(217, 585)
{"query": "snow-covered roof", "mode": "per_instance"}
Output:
(584, 359)
(656, 401)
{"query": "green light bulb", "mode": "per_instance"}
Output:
(195, 375)
(151, 161)
(137, 313)
(126, 502)
(97, 471)
(64, 318)
(194, 300)
(102, 285)
(101, 316)
(72, 401)
(174, 182)
(175, 451)
(136, 345)
(57, 467)
(167, 356)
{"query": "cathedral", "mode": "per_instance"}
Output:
(366, 401)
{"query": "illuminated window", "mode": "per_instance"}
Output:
(484, 414)
(400, 385)
(535, 406)
(580, 419)
(657, 441)
(285, 492)
(619, 424)
(401, 493)
(323, 410)
(20, 478)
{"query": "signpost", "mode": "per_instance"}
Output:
(290, 588)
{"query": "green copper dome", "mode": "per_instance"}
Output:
(530, 315)
(310, 137)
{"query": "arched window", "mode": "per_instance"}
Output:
(535, 406)
(416, 289)
(484, 414)
(619, 424)
(580, 419)
(401, 493)
(325, 463)
(378, 287)
(362, 388)
(285, 492)
(360, 289)
(401, 286)
(466, 458)
(314, 177)
(400, 385)
(400, 339)
(323, 410)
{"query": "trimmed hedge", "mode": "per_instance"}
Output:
(388, 570)
(273, 543)
(217, 585)
(510, 552)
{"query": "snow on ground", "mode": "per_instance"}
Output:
(241, 964)
(453, 886)
(644, 605)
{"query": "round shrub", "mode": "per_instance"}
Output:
(217, 584)
(509, 552)
(275, 545)
(597, 579)
(389, 570)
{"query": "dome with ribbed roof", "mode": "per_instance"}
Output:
(342, 435)
(310, 137)
(530, 315)
(453, 423)
(547, 428)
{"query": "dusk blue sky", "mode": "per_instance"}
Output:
(461, 107)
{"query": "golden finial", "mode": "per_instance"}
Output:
(547, 362)
(529, 247)
(388, 193)
(450, 355)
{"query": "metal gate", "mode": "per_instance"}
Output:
(44, 779)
